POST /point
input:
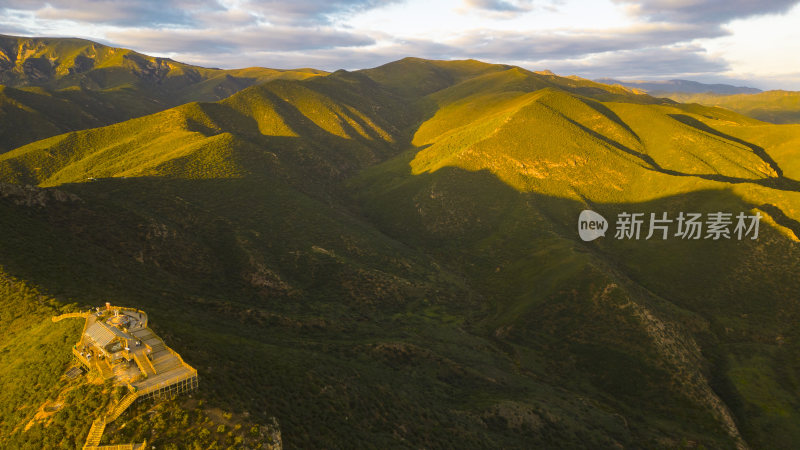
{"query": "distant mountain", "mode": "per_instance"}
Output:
(390, 257)
(88, 84)
(660, 87)
(59, 63)
(778, 107)
(770, 106)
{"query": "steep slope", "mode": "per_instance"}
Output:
(565, 152)
(264, 130)
(59, 63)
(72, 84)
(392, 255)
(27, 116)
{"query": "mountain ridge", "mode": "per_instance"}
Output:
(393, 253)
(87, 85)
(658, 87)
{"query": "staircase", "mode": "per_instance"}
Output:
(165, 362)
(99, 425)
(165, 369)
(95, 433)
(144, 364)
(122, 406)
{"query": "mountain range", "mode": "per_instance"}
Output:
(657, 87)
(775, 106)
(51, 86)
(390, 257)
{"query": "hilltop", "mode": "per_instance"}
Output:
(389, 256)
(778, 107)
(60, 63)
(52, 85)
(661, 87)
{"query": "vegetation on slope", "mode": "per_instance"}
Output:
(389, 258)
(769, 106)
(72, 84)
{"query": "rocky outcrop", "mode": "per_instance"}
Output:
(35, 196)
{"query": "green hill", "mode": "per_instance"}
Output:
(769, 106)
(62, 85)
(60, 63)
(389, 258)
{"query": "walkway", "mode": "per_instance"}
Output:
(165, 374)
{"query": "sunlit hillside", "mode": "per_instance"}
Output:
(390, 258)
(49, 86)
(770, 106)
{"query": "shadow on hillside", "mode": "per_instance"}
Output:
(494, 233)
(199, 238)
(758, 151)
(779, 182)
(428, 210)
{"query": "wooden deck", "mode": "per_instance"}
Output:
(163, 373)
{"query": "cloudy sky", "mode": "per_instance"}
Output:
(753, 42)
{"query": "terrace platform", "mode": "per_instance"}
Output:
(117, 344)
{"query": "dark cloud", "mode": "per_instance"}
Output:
(573, 44)
(658, 62)
(325, 59)
(649, 62)
(704, 11)
(330, 59)
(315, 33)
(240, 43)
(309, 11)
(150, 13)
(11, 29)
(157, 13)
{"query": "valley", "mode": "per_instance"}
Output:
(389, 258)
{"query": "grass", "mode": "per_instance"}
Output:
(389, 258)
(82, 84)
(778, 107)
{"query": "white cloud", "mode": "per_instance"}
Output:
(704, 11)
(614, 38)
(241, 42)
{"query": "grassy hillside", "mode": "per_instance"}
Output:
(770, 106)
(278, 129)
(389, 258)
(49, 86)
(59, 63)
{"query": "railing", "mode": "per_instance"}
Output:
(122, 406)
(144, 363)
(95, 433)
(94, 363)
(116, 446)
(181, 359)
(124, 308)
(85, 326)
(73, 315)
(81, 358)
(98, 426)
(110, 447)
(170, 382)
